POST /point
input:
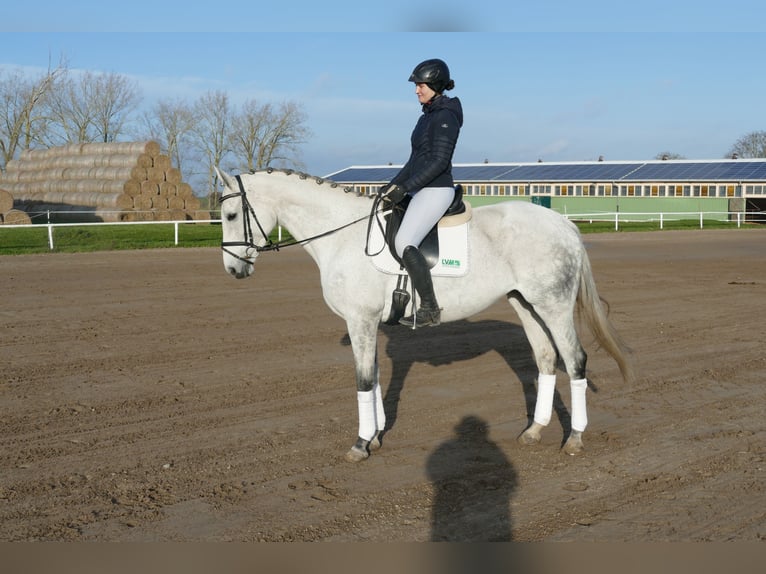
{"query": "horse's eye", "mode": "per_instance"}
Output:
(231, 216)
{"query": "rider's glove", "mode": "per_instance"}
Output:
(391, 194)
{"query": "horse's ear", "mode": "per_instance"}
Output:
(227, 180)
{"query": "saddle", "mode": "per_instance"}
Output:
(429, 247)
(456, 214)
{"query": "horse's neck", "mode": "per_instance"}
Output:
(307, 208)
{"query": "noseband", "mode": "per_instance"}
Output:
(247, 227)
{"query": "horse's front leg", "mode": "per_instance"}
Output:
(372, 416)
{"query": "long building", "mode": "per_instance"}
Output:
(641, 187)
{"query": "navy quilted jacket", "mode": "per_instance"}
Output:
(433, 143)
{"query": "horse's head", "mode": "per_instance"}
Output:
(244, 234)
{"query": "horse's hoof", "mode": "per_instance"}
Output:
(375, 443)
(528, 439)
(531, 436)
(574, 445)
(356, 454)
(360, 450)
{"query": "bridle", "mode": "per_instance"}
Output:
(249, 215)
(247, 227)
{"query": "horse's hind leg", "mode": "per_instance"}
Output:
(545, 359)
(546, 337)
(562, 329)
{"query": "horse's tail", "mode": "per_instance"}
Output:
(592, 308)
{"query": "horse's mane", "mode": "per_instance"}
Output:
(317, 180)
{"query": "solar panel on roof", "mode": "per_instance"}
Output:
(571, 172)
(700, 171)
(485, 172)
(365, 174)
(672, 170)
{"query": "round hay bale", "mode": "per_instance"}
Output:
(162, 215)
(132, 187)
(155, 173)
(173, 175)
(162, 162)
(129, 216)
(178, 215)
(150, 187)
(144, 160)
(6, 201)
(111, 216)
(175, 202)
(138, 173)
(16, 217)
(167, 189)
(159, 202)
(145, 215)
(143, 202)
(123, 201)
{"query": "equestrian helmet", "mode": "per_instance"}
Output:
(434, 73)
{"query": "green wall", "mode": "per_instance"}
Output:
(673, 207)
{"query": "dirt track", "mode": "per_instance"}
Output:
(148, 396)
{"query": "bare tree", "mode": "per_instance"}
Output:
(170, 123)
(91, 108)
(249, 128)
(752, 144)
(263, 134)
(21, 122)
(114, 99)
(289, 131)
(212, 118)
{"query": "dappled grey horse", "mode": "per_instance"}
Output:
(526, 253)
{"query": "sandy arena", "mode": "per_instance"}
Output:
(148, 396)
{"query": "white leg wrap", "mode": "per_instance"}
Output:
(546, 384)
(366, 403)
(579, 411)
(380, 412)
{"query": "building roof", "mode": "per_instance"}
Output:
(728, 170)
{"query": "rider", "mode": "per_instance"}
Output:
(427, 179)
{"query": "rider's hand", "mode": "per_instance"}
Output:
(391, 194)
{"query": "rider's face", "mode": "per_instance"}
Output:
(424, 93)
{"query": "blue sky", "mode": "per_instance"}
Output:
(551, 81)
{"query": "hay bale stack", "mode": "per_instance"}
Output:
(115, 181)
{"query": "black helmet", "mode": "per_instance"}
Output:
(433, 73)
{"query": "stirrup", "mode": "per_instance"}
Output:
(422, 318)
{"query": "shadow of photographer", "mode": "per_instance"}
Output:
(473, 483)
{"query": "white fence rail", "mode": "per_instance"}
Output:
(734, 218)
(52, 226)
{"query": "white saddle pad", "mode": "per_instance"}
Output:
(453, 252)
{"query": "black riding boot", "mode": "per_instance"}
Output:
(417, 268)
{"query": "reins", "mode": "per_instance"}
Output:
(249, 241)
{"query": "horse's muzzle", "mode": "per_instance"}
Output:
(240, 271)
